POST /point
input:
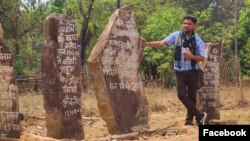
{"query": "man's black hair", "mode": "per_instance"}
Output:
(190, 17)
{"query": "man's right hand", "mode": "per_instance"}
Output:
(143, 42)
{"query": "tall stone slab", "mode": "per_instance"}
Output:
(9, 108)
(209, 93)
(114, 68)
(61, 78)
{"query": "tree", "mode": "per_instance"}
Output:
(56, 6)
(209, 29)
(243, 38)
(118, 3)
(85, 33)
(22, 23)
(11, 17)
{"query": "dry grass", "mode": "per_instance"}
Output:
(165, 109)
(234, 105)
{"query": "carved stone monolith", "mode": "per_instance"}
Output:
(61, 78)
(209, 93)
(9, 98)
(114, 68)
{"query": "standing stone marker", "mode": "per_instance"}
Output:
(9, 108)
(114, 68)
(209, 93)
(61, 78)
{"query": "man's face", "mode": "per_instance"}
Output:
(188, 26)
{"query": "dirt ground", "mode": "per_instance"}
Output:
(166, 111)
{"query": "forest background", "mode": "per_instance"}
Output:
(225, 22)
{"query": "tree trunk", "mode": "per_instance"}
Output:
(118, 4)
(85, 34)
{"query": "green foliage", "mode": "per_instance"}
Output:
(18, 65)
(164, 20)
(143, 8)
(102, 10)
(247, 2)
(22, 23)
(209, 30)
(56, 6)
(10, 14)
(245, 58)
(244, 40)
(192, 6)
(27, 62)
(244, 28)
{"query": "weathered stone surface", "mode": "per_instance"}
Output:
(61, 78)
(9, 108)
(202, 66)
(209, 93)
(114, 68)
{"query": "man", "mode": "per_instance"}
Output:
(189, 50)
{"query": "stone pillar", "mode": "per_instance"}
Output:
(114, 68)
(209, 93)
(61, 78)
(9, 100)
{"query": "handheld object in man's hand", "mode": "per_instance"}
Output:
(184, 50)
